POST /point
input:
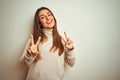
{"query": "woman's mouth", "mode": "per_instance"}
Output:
(49, 22)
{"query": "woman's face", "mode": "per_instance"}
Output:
(46, 18)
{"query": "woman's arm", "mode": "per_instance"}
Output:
(70, 57)
(69, 48)
(27, 59)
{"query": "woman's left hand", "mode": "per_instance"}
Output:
(68, 42)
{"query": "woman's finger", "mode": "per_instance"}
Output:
(32, 40)
(65, 35)
(28, 51)
(63, 39)
(69, 41)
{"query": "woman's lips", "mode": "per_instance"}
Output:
(49, 22)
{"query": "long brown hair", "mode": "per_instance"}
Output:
(38, 31)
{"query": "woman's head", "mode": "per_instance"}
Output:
(44, 18)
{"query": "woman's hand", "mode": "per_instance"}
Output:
(68, 42)
(34, 47)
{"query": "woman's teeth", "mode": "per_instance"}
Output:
(48, 22)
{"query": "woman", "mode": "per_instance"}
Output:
(47, 52)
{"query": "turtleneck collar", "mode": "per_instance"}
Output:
(48, 32)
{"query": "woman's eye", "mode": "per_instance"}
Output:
(42, 17)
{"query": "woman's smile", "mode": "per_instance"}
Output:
(46, 19)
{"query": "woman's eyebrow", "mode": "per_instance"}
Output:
(41, 15)
(44, 15)
(48, 12)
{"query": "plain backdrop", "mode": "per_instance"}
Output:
(93, 25)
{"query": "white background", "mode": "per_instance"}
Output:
(93, 25)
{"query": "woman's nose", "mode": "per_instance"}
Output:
(47, 17)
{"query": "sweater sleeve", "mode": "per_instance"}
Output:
(70, 57)
(26, 60)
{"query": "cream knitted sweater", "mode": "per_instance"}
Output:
(51, 66)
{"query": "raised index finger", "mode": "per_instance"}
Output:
(65, 35)
(31, 40)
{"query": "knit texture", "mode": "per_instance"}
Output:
(51, 65)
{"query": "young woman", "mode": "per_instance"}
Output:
(46, 52)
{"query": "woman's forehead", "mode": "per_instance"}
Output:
(44, 11)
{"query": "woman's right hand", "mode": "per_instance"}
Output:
(34, 47)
